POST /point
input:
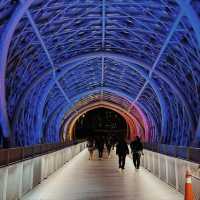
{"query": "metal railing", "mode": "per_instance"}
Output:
(29, 166)
(187, 153)
(196, 187)
(18, 154)
(172, 169)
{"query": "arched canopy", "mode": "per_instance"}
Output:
(55, 55)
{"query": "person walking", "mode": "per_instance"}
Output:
(100, 146)
(108, 146)
(122, 150)
(113, 141)
(137, 151)
(90, 146)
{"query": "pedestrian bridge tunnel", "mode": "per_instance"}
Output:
(61, 59)
(102, 121)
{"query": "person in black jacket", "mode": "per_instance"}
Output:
(99, 144)
(122, 150)
(90, 146)
(137, 151)
(108, 145)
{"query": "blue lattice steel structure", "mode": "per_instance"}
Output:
(55, 54)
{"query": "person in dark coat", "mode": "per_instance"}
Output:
(108, 145)
(100, 146)
(122, 150)
(90, 146)
(113, 142)
(137, 151)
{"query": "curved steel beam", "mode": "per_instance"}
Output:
(61, 115)
(86, 94)
(98, 89)
(153, 85)
(19, 12)
(130, 61)
(144, 110)
(5, 41)
(164, 46)
(43, 45)
(178, 93)
(191, 15)
(61, 74)
(53, 114)
(193, 18)
(119, 94)
(34, 84)
(38, 80)
(142, 73)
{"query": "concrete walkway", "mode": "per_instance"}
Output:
(81, 179)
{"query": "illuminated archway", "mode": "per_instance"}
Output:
(136, 127)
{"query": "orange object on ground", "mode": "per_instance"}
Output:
(188, 187)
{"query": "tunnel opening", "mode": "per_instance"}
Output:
(101, 122)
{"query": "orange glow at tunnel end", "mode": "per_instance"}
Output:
(136, 127)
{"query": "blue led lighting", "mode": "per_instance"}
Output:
(57, 56)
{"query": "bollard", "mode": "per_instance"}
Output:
(188, 186)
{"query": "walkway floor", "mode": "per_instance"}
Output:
(81, 179)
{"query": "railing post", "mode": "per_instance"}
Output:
(20, 166)
(167, 171)
(148, 161)
(176, 174)
(5, 183)
(32, 168)
(159, 170)
(188, 153)
(153, 155)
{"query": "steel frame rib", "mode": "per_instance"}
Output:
(33, 24)
(5, 43)
(159, 55)
(192, 16)
(131, 62)
(189, 12)
(103, 23)
(102, 75)
(22, 8)
(154, 86)
(103, 44)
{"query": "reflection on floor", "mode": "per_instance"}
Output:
(82, 179)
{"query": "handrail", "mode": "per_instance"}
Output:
(183, 152)
(172, 170)
(19, 154)
(195, 177)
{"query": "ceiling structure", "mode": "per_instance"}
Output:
(58, 56)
